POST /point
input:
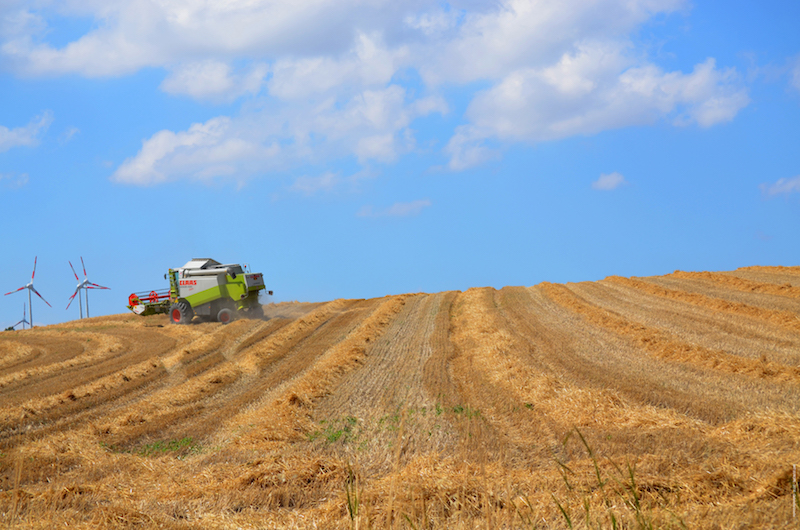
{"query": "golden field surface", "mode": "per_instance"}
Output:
(658, 402)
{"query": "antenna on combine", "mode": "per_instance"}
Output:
(86, 285)
(30, 288)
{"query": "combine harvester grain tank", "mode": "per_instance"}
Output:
(206, 288)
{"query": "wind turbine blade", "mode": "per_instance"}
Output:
(40, 296)
(12, 292)
(84, 267)
(97, 286)
(73, 270)
(71, 298)
(35, 258)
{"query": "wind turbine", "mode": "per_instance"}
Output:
(30, 288)
(23, 321)
(86, 285)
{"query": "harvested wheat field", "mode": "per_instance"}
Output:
(670, 401)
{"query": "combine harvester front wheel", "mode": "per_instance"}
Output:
(181, 312)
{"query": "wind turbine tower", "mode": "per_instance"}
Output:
(30, 288)
(23, 321)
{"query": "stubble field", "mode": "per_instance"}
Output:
(670, 401)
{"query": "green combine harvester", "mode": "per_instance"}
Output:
(206, 288)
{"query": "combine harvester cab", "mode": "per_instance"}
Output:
(206, 288)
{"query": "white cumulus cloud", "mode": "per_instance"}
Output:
(398, 209)
(368, 64)
(434, 22)
(328, 181)
(347, 78)
(593, 90)
(68, 135)
(214, 80)
(467, 148)
(310, 185)
(372, 125)
(212, 149)
(14, 181)
(497, 38)
(27, 135)
(783, 186)
(608, 182)
(134, 34)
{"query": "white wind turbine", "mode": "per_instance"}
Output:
(86, 285)
(30, 288)
(23, 321)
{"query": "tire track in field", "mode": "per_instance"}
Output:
(391, 375)
(492, 380)
(715, 331)
(257, 334)
(68, 412)
(47, 351)
(760, 301)
(774, 278)
(437, 377)
(511, 395)
(109, 353)
(290, 310)
(780, 318)
(193, 406)
(276, 347)
(101, 387)
(207, 350)
(522, 377)
(735, 334)
(595, 359)
(389, 387)
(390, 395)
(15, 352)
(440, 385)
(795, 271)
(741, 284)
(666, 346)
(285, 413)
(74, 397)
(297, 357)
(48, 389)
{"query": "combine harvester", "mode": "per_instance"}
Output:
(206, 288)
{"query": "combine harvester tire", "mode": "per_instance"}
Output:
(225, 315)
(181, 312)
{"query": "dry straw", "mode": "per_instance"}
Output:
(506, 425)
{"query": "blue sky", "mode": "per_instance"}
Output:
(358, 148)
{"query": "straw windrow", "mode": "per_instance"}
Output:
(645, 403)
